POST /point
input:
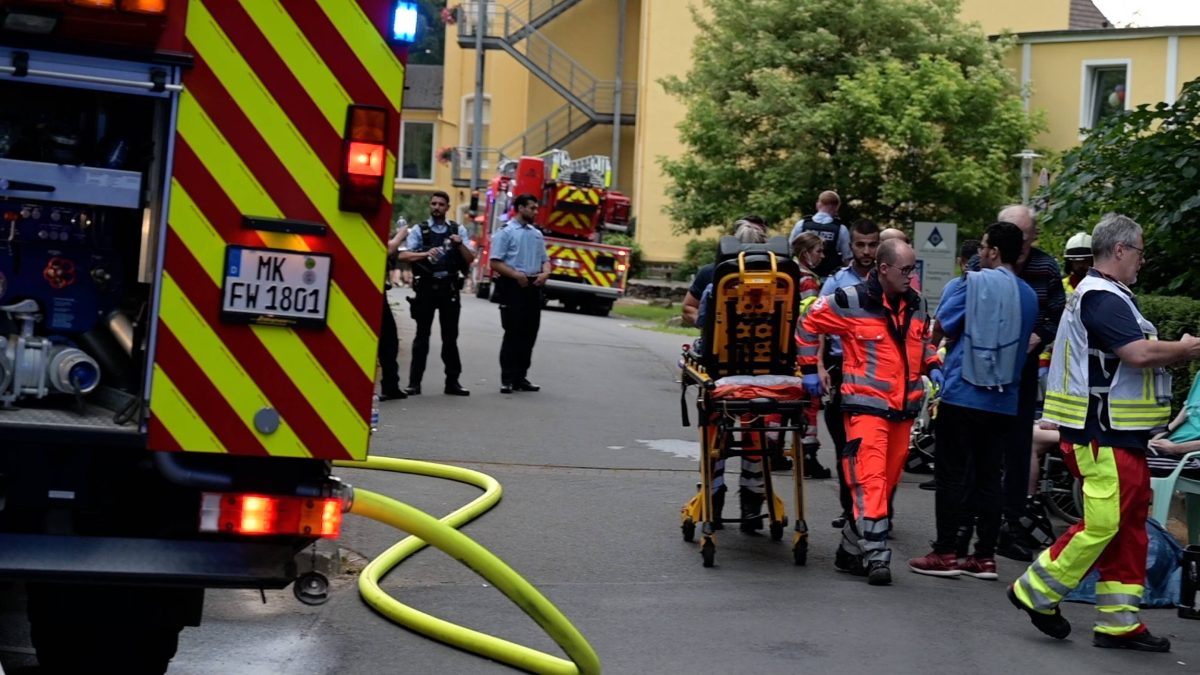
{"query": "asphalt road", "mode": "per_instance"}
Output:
(594, 469)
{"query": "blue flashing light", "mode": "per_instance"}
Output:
(404, 22)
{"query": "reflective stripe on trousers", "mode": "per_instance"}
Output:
(1111, 537)
(873, 463)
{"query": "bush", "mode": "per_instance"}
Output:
(636, 265)
(697, 254)
(1173, 316)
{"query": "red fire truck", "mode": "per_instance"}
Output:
(577, 209)
(195, 196)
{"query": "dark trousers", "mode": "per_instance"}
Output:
(970, 449)
(389, 350)
(1017, 453)
(836, 425)
(442, 299)
(520, 316)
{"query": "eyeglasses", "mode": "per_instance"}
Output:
(906, 271)
(1141, 251)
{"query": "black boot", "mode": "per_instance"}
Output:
(751, 503)
(812, 467)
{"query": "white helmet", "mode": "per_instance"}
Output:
(1079, 247)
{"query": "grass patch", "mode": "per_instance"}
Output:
(657, 317)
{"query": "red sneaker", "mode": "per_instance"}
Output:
(936, 565)
(980, 568)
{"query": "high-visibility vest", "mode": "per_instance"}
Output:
(1134, 398)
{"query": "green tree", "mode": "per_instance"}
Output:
(906, 112)
(1144, 164)
(430, 47)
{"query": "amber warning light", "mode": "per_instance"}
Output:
(256, 514)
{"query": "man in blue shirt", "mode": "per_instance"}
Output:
(977, 417)
(440, 254)
(864, 241)
(518, 255)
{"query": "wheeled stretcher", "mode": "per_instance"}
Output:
(750, 401)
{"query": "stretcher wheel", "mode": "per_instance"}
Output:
(776, 531)
(800, 552)
(689, 529)
(708, 551)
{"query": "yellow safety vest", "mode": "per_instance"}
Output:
(1137, 398)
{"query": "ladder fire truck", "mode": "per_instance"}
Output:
(577, 208)
(195, 196)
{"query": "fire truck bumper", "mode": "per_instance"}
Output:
(174, 562)
(565, 288)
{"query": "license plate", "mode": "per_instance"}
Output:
(276, 288)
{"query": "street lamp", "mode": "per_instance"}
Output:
(1027, 156)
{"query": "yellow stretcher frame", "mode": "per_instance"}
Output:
(754, 309)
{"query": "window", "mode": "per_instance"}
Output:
(416, 151)
(467, 126)
(1105, 91)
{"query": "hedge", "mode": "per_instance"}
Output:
(1173, 316)
(697, 253)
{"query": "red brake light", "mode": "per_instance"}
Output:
(254, 514)
(144, 6)
(365, 159)
(363, 156)
(98, 4)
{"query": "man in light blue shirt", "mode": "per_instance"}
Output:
(518, 255)
(977, 420)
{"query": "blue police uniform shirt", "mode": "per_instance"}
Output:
(952, 317)
(843, 278)
(521, 247)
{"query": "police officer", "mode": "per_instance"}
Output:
(440, 255)
(831, 230)
(518, 255)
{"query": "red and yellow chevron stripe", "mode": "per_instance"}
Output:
(259, 133)
(572, 194)
(571, 223)
(580, 263)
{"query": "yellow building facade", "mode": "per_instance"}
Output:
(553, 85)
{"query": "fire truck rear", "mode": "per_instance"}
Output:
(577, 209)
(195, 195)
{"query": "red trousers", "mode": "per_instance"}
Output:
(1111, 537)
(873, 463)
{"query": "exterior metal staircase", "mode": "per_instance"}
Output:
(590, 101)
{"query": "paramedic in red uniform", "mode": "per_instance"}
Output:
(884, 330)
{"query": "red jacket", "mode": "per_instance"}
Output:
(885, 348)
(810, 287)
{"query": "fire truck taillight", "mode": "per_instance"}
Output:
(255, 514)
(363, 155)
(97, 4)
(365, 159)
(144, 6)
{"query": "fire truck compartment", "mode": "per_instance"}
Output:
(84, 143)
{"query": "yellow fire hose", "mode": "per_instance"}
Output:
(425, 530)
